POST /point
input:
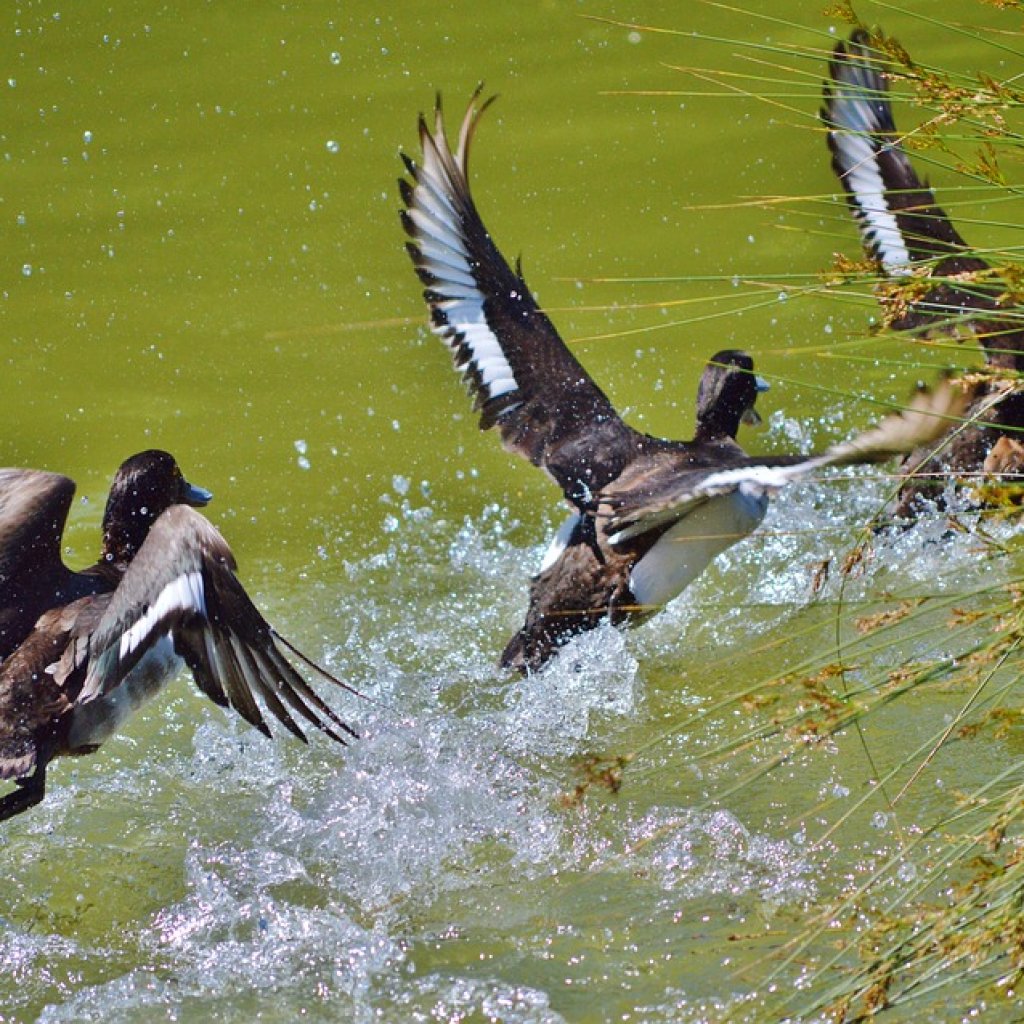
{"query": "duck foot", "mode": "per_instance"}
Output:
(30, 792)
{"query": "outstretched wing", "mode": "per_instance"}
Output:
(926, 418)
(182, 583)
(33, 511)
(900, 223)
(899, 220)
(523, 378)
(34, 508)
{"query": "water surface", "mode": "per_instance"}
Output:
(199, 216)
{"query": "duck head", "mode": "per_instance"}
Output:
(144, 487)
(726, 395)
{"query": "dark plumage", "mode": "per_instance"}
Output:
(106, 640)
(34, 508)
(903, 228)
(648, 514)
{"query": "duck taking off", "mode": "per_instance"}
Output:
(104, 641)
(648, 514)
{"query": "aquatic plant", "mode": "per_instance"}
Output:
(933, 919)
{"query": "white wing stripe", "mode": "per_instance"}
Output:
(864, 180)
(183, 594)
(432, 197)
(445, 253)
(466, 324)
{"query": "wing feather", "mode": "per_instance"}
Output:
(182, 584)
(928, 415)
(523, 378)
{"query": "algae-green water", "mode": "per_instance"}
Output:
(198, 213)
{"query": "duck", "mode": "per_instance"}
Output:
(34, 506)
(647, 515)
(904, 230)
(164, 594)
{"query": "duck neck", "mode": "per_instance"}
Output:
(717, 423)
(122, 540)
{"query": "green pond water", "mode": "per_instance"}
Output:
(198, 214)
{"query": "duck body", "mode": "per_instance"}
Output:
(585, 578)
(170, 597)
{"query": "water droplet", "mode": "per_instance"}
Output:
(333, 146)
(87, 137)
(783, 296)
(335, 57)
(26, 270)
(301, 447)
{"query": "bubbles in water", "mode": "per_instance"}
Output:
(26, 270)
(333, 146)
(335, 57)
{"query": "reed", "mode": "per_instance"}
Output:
(938, 922)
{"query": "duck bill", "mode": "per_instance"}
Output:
(196, 496)
(751, 417)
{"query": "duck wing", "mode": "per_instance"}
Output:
(183, 583)
(523, 377)
(900, 221)
(665, 498)
(34, 509)
(901, 225)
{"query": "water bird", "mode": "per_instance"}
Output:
(648, 515)
(105, 640)
(950, 290)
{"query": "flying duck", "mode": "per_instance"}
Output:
(164, 591)
(909, 235)
(648, 515)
